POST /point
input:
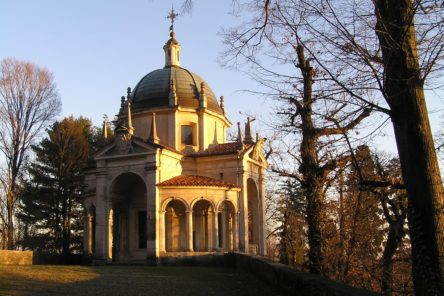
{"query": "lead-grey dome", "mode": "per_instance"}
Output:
(153, 90)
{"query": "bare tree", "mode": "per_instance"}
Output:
(311, 108)
(381, 176)
(315, 119)
(393, 201)
(28, 103)
(381, 53)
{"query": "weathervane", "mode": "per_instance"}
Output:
(172, 16)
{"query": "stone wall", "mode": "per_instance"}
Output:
(292, 282)
(282, 277)
(16, 257)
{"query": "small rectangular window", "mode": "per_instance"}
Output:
(142, 229)
(187, 134)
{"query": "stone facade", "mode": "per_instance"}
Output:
(167, 183)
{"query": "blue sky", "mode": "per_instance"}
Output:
(96, 49)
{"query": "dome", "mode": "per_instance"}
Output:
(153, 90)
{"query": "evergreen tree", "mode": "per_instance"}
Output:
(51, 206)
(292, 233)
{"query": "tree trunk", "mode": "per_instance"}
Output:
(10, 225)
(405, 95)
(10, 205)
(65, 229)
(394, 238)
(310, 167)
(313, 217)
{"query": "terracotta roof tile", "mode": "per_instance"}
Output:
(226, 148)
(196, 181)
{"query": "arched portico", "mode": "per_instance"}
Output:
(175, 225)
(227, 226)
(127, 218)
(203, 212)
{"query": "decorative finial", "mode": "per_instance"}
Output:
(128, 93)
(173, 96)
(239, 133)
(153, 138)
(105, 127)
(122, 105)
(202, 88)
(222, 104)
(203, 97)
(248, 137)
(129, 119)
(172, 47)
(172, 16)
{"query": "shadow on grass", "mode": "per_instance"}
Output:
(128, 280)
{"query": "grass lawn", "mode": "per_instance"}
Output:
(127, 280)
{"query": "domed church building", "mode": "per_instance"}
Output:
(168, 184)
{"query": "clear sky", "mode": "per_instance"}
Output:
(97, 48)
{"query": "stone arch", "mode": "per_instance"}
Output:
(227, 221)
(175, 225)
(213, 206)
(253, 215)
(203, 211)
(169, 199)
(220, 203)
(119, 179)
(127, 216)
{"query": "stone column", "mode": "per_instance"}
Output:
(223, 230)
(262, 235)
(152, 212)
(210, 230)
(235, 231)
(162, 231)
(189, 230)
(110, 234)
(243, 211)
(85, 237)
(215, 231)
(101, 216)
(89, 234)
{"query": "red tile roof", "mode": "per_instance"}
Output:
(196, 181)
(226, 148)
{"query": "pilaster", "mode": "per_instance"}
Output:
(162, 231)
(189, 230)
(101, 217)
(153, 219)
(215, 231)
(262, 234)
(235, 231)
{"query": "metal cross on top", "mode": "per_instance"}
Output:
(172, 16)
